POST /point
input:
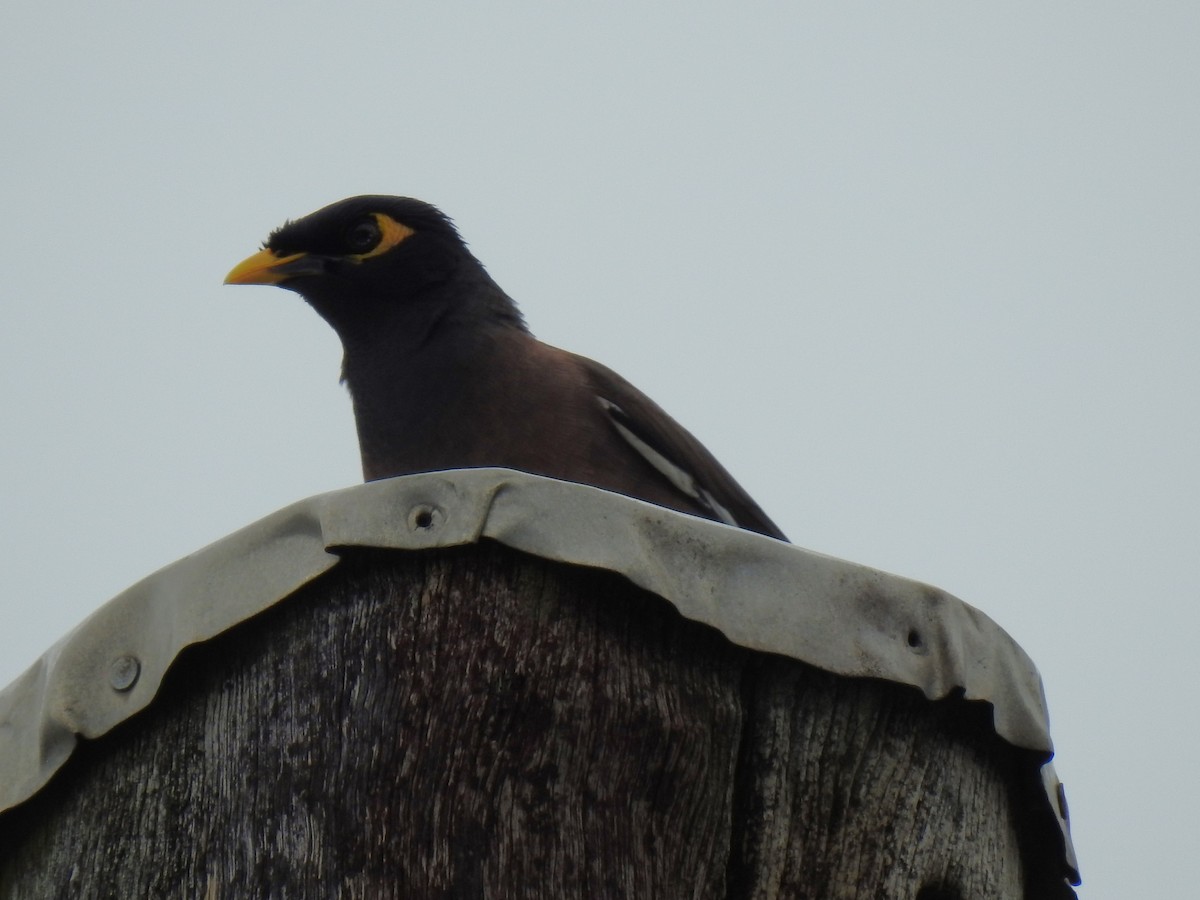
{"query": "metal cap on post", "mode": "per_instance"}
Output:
(566, 692)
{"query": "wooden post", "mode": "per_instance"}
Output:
(476, 722)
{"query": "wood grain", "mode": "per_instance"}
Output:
(479, 723)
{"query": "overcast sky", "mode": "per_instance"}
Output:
(923, 276)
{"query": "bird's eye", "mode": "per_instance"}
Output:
(363, 235)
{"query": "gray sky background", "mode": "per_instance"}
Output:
(923, 276)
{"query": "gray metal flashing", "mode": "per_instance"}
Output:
(761, 593)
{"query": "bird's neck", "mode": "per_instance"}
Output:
(457, 303)
(421, 369)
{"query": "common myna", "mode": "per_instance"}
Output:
(444, 374)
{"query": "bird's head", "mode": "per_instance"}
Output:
(368, 260)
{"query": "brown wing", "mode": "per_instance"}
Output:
(674, 452)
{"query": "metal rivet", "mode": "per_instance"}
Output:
(123, 672)
(424, 517)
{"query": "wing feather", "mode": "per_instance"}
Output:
(674, 452)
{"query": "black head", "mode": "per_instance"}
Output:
(352, 229)
(374, 259)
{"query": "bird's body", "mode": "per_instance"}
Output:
(444, 374)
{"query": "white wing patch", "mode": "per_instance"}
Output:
(680, 478)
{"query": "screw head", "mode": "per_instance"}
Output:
(123, 672)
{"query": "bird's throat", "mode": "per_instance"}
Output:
(412, 398)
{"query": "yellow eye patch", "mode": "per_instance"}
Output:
(392, 234)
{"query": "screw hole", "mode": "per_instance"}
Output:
(422, 518)
(1061, 794)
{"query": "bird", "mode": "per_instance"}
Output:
(443, 372)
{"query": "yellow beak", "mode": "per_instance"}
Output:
(264, 267)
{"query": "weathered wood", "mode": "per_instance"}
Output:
(862, 789)
(478, 723)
